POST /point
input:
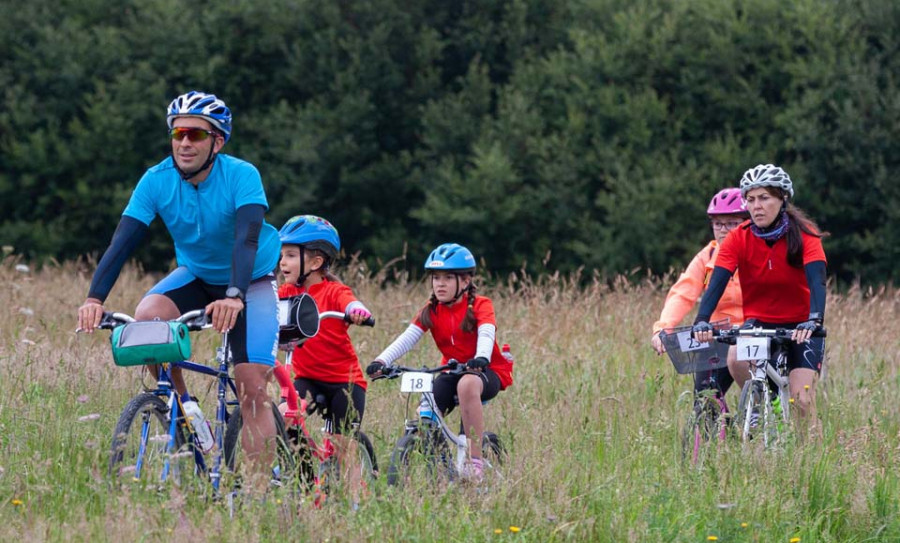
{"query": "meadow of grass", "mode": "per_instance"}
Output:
(591, 425)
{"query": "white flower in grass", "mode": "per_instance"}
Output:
(27, 341)
(22, 268)
(86, 418)
(26, 311)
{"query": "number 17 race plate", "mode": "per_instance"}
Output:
(752, 348)
(414, 381)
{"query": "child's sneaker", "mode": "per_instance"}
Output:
(754, 418)
(473, 472)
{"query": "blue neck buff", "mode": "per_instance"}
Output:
(774, 231)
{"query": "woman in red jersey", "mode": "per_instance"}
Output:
(782, 273)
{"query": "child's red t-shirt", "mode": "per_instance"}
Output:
(453, 342)
(329, 356)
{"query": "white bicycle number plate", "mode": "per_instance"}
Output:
(414, 381)
(687, 344)
(752, 348)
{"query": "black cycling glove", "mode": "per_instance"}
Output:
(477, 363)
(375, 367)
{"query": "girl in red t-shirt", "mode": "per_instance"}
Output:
(463, 327)
(325, 364)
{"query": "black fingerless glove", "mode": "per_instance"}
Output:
(811, 325)
(701, 326)
(374, 367)
(478, 363)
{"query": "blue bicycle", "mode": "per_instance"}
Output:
(154, 442)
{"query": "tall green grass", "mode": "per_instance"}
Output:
(591, 425)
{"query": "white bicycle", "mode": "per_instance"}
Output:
(428, 446)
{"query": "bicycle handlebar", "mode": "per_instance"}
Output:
(345, 317)
(196, 319)
(775, 333)
(392, 372)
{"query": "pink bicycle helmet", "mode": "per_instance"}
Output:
(727, 202)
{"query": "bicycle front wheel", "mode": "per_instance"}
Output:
(755, 418)
(144, 447)
(705, 424)
(420, 455)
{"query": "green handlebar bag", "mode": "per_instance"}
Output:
(150, 342)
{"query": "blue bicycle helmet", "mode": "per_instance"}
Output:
(312, 232)
(205, 106)
(450, 257)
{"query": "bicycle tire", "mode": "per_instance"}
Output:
(149, 415)
(492, 449)
(286, 461)
(367, 461)
(704, 424)
(420, 453)
(755, 398)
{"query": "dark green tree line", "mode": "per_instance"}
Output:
(592, 131)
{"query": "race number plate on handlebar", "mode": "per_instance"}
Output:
(414, 381)
(752, 348)
(688, 343)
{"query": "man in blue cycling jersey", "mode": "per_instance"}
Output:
(213, 206)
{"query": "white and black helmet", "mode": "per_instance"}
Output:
(766, 175)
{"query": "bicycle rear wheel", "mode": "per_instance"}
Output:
(143, 448)
(285, 468)
(421, 455)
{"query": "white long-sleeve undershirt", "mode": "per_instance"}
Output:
(402, 345)
(487, 334)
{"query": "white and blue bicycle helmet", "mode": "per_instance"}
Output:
(203, 105)
(766, 175)
(450, 257)
(311, 232)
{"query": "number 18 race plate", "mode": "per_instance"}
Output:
(414, 381)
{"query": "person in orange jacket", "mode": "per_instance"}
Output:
(726, 211)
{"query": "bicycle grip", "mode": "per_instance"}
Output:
(368, 322)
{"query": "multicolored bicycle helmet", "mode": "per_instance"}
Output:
(312, 232)
(205, 106)
(727, 202)
(450, 257)
(766, 175)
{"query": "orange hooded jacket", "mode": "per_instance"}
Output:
(691, 284)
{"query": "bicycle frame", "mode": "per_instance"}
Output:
(165, 389)
(429, 417)
(298, 409)
(764, 372)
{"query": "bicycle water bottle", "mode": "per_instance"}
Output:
(506, 353)
(776, 405)
(777, 409)
(205, 439)
(424, 409)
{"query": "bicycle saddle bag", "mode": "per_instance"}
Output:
(150, 342)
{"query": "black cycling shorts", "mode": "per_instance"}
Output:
(344, 417)
(444, 388)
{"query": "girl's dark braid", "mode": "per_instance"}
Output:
(469, 322)
(425, 313)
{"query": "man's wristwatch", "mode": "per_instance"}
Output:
(234, 292)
